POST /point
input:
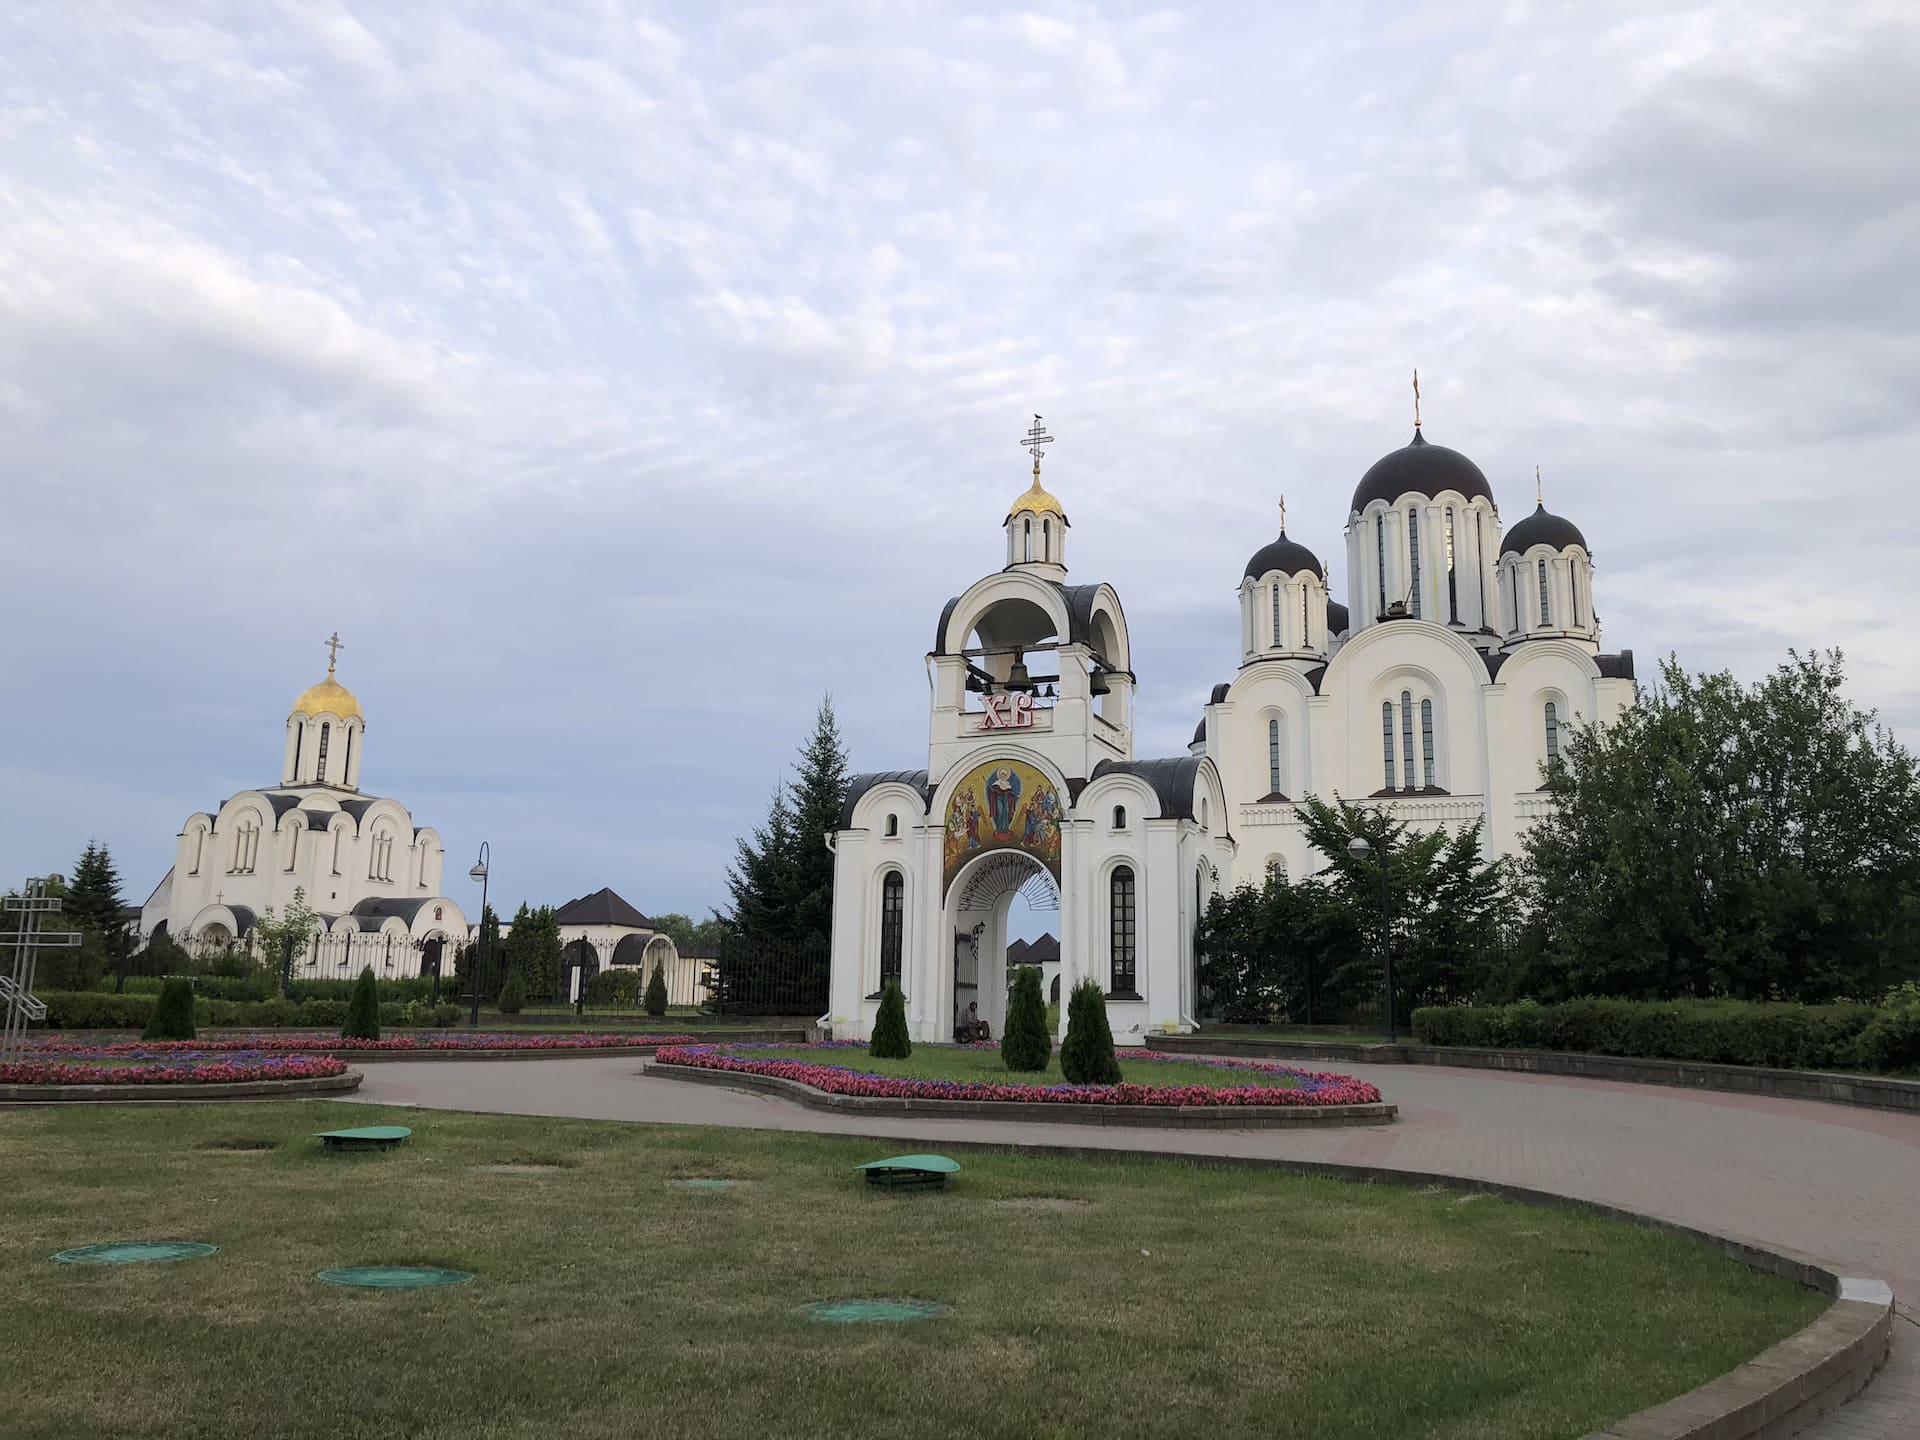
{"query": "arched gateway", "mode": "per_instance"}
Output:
(1030, 781)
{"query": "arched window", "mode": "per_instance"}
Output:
(1413, 560)
(1426, 740)
(1519, 623)
(1306, 637)
(1406, 738)
(1203, 812)
(1120, 931)
(1119, 817)
(1277, 588)
(893, 900)
(893, 826)
(1386, 739)
(1046, 539)
(1380, 556)
(320, 761)
(1276, 869)
(1573, 590)
(346, 760)
(1453, 582)
(1553, 734)
(1027, 530)
(199, 850)
(299, 738)
(1273, 756)
(293, 848)
(336, 852)
(1542, 562)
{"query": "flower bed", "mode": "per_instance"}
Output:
(80, 1066)
(1310, 1087)
(327, 1044)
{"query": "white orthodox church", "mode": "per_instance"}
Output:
(1439, 689)
(371, 876)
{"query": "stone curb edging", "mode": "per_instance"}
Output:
(1871, 1092)
(1777, 1394)
(22, 1095)
(583, 1052)
(1198, 1117)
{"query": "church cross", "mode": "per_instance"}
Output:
(1539, 492)
(334, 647)
(1416, 399)
(1283, 514)
(1035, 442)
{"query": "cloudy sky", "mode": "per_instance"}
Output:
(616, 379)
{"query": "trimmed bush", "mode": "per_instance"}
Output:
(1086, 1055)
(323, 1014)
(96, 1010)
(1026, 1044)
(513, 995)
(657, 992)
(172, 1013)
(1717, 1032)
(363, 1010)
(616, 985)
(890, 1041)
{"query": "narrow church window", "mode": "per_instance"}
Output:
(1119, 817)
(199, 850)
(1273, 756)
(293, 848)
(1426, 739)
(893, 826)
(1027, 529)
(336, 852)
(1406, 738)
(1515, 572)
(1553, 733)
(1480, 565)
(346, 760)
(1276, 869)
(1380, 556)
(1304, 638)
(1121, 931)
(1276, 615)
(1386, 738)
(1413, 560)
(299, 737)
(1453, 582)
(1543, 589)
(1573, 589)
(1046, 539)
(892, 926)
(320, 762)
(1203, 814)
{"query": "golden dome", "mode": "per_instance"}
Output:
(1037, 500)
(329, 697)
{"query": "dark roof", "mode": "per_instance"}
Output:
(381, 909)
(1420, 469)
(242, 919)
(1337, 618)
(281, 803)
(319, 819)
(859, 785)
(1172, 780)
(602, 907)
(1017, 952)
(1043, 951)
(1542, 528)
(1289, 557)
(1200, 730)
(1494, 660)
(1315, 676)
(1616, 667)
(1220, 692)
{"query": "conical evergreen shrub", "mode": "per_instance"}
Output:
(656, 1001)
(513, 995)
(1086, 1055)
(172, 1012)
(363, 1009)
(1025, 1044)
(890, 1040)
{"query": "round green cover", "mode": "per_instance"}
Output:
(394, 1277)
(367, 1132)
(931, 1164)
(135, 1252)
(872, 1312)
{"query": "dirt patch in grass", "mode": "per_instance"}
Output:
(1056, 1204)
(526, 1165)
(229, 1145)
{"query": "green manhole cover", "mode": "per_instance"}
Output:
(394, 1277)
(872, 1312)
(135, 1252)
(706, 1184)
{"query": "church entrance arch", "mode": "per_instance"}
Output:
(977, 908)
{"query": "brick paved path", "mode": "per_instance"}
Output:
(1836, 1183)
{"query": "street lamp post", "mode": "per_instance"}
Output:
(479, 872)
(1359, 849)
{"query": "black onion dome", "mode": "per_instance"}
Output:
(1541, 528)
(1287, 556)
(1200, 730)
(1337, 618)
(1420, 469)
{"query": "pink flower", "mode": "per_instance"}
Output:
(182, 1067)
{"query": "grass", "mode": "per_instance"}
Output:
(950, 1062)
(1180, 1300)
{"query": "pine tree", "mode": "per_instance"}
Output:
(815, 798)
(363, 1009)
(656, 1002)
(761, 878)
(93, 895)
(1086, 1055)
(890, 1040)
(1025, 1044)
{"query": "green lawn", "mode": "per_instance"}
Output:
(1143, 1298)
(950, 1062)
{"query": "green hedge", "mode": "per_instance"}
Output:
(1719, 1032)
(265, 984)
(99, 1010)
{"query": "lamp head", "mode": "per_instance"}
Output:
(479, 872)
(1358, 847)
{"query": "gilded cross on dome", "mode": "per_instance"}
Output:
(334, 647)
(1035, 442)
